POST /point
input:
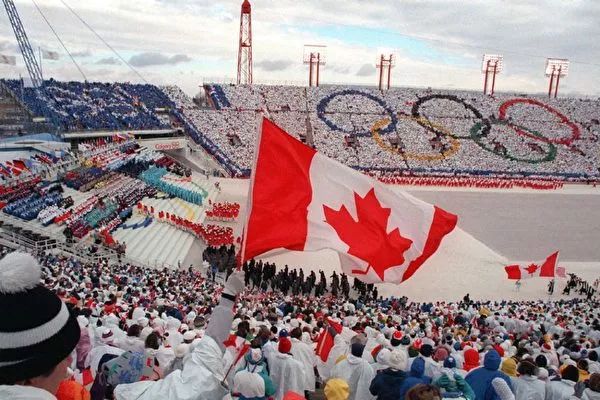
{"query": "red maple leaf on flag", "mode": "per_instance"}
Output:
(367, 236)
(531, 268)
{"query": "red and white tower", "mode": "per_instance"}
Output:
(244, 69)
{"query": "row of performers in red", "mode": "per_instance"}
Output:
(485, 183)
(213, 235)
(223, 211)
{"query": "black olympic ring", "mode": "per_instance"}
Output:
(417, 104)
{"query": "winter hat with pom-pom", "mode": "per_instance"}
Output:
(37, 330)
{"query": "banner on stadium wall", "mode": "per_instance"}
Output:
(165, 144)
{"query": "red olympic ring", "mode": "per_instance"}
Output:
(575, 133)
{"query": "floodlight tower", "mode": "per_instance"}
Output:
(555, 68)
(244, 68)
(491, 64)
(385, 65)
(33, 67)
(314, 56)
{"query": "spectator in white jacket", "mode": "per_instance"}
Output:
(357, 372)
(527, 386)
(286, 372)
(306, 355)
(565, 388)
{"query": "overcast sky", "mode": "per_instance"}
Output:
(437, 43)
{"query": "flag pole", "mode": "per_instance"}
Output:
(250, 191)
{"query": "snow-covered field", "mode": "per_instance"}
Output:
(496, 228)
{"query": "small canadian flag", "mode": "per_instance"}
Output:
(547, 269)
(302, 200)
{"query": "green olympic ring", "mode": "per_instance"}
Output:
(549, 156)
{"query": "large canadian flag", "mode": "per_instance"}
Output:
(302, 200)
(548, 269)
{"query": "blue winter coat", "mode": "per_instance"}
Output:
(386, 384)
(480, 379)
(415, 377)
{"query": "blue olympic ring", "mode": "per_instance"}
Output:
(321, 107)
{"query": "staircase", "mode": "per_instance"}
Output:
(161, 244)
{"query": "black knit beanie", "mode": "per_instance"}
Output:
(426, 350)
(37, 331)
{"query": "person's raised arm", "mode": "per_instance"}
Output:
(220, 321)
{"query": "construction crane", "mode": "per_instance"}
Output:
(33, 67)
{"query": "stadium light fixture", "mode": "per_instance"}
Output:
(491, 64)
(314, 55)
(555, 68)
(385, 63)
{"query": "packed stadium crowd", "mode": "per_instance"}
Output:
(73, 106)
(416, 130)
(402, 129)
(126, 332)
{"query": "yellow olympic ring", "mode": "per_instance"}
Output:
(454, 143)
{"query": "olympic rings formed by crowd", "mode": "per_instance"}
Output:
(477, 133)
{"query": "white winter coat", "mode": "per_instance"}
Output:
(528, 388)
(249, 383)
(18, 392)
(560, 390)
(589, 394)
(306, 355)
(358, 374)
(340, 348)
(130, 343)
(165, 355)
(287, 374)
